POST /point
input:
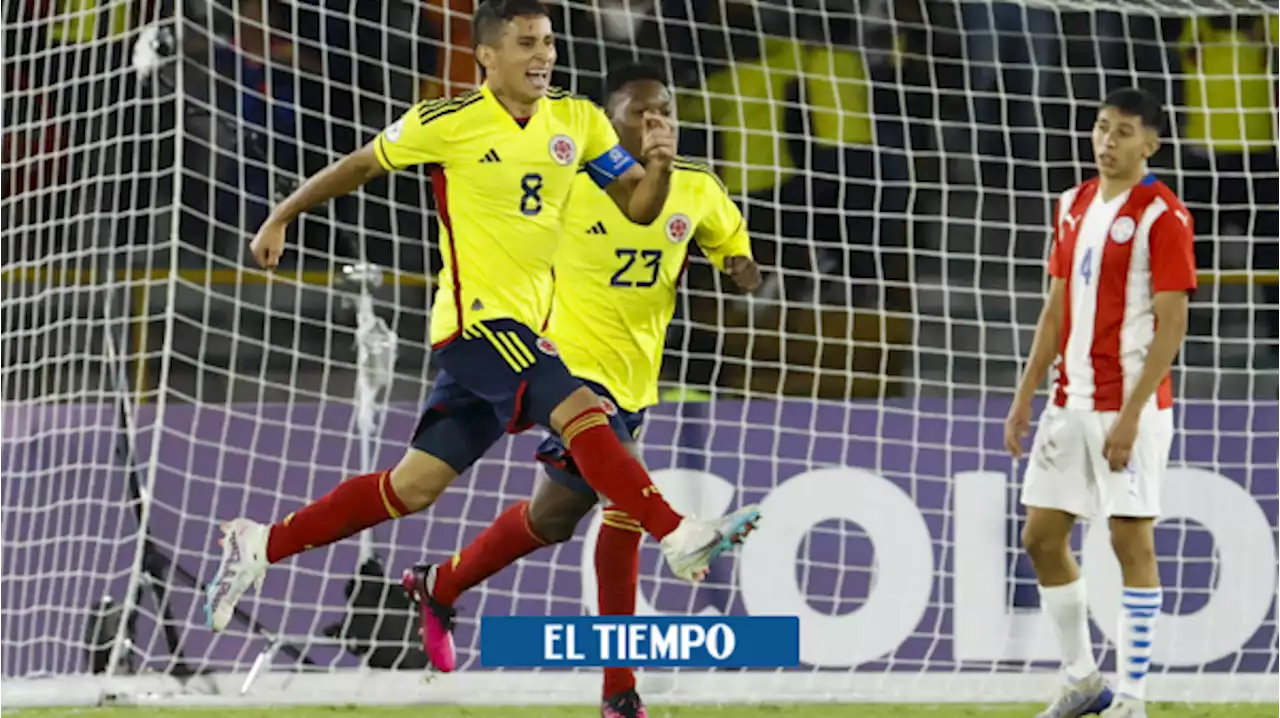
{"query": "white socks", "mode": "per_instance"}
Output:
(1133, 652)
(1068, 607)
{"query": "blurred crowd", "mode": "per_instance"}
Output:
(846, 128)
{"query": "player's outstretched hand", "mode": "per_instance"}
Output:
(743, 271)
(1119, 444)
(659, 139)
(1016, 427)
(268, 244)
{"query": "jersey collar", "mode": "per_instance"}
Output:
(487, 92)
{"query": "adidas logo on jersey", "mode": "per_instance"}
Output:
(597, 228)
(490, 156)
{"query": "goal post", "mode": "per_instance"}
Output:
(896, 163)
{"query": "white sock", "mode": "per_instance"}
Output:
(1137, 628)
(1069, 608)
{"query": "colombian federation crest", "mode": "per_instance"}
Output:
(563, 150)
(678, 228)
(1122, 230)
(610, 409)
(546, 346)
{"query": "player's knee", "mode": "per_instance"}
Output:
(420, 478)
(1040, 545)
(1133, 543)
(553, 529)
(583, 399)
(556, 510)
(1044, 543)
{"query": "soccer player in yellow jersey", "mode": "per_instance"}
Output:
(507, 156)
(616, 284)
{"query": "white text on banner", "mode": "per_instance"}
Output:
(649, 641)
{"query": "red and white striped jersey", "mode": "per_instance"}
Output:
(1115, 256)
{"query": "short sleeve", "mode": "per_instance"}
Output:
(607, 161)
(1173, 255)
(419, 137)
(722, 232)
(600, 136)
(1059, 256)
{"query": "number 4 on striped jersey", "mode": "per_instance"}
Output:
(1086, 266)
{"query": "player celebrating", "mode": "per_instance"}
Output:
(506, 155)
(1122, 267)
(616, 285)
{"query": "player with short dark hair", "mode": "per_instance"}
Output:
(1122, 269)
(616, 283)
(504, 159)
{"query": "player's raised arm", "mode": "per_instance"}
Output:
(723, 238)
(648, 135)
(412, 140)
(642, 191)
(342, 177)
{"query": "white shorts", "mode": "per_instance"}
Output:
(1067, 471)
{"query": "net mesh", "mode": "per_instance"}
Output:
(896, 162)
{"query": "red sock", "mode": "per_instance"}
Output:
(355, 505)
(617, 572)
(507, 539)
(610, 470)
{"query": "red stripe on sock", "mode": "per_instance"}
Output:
(607, 466)
(353, 506)
(617, 572)
(506, 540)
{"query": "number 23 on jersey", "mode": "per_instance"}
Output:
(638, 268)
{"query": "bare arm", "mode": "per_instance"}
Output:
(340, 178)
(1044, 348)
(641, 193)
(1171, 328)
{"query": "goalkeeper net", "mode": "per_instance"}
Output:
(896, 162)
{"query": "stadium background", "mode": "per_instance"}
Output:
(896, 161)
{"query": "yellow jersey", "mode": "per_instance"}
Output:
(616, 280)
(1228, 94)
(501, 187)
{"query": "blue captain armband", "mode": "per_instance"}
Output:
(609, 166)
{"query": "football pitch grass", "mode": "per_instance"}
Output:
(848, 710)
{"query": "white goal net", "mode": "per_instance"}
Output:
(896, 161)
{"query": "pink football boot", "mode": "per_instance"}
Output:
(437, 618)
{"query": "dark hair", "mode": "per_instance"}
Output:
(1136, 102)
(621, 76)
(491, 15)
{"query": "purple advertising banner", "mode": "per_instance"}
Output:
(71, 537)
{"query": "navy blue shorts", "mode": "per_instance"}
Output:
(497, 377)
(560, 466)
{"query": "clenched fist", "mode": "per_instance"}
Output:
(743, 271)
(268, 244)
